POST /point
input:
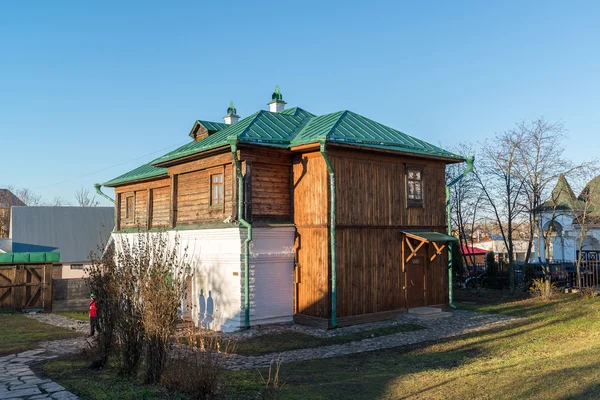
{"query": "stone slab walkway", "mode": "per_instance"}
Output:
(459, 322)
(17, 380)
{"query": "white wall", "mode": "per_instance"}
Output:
(217, 261)
(272, 275)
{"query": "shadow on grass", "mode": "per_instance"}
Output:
(516, 361)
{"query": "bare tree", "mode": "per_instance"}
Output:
(502, 187)
(84, 198)
(540, 163)
(465, 201)
(28, 197)
(57, 201)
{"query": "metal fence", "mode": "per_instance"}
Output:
(562, 273)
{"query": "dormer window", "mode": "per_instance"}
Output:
(414, 187)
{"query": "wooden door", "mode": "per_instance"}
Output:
(415, 282)
(25, 287)
(7, 277)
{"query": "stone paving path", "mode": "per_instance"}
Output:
(454, 323)
(18, 381)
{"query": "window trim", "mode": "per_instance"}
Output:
(416, 203)
(132, 216)
(212, 186)
(79, 267)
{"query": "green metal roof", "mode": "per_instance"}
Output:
(262, 127)
(293, 127)
(562, 197)
(144, 172)
(350, 128)
(298, 112)
(429, 236)
(213, 126)
(29, 258)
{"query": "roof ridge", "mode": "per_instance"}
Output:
(335, 125)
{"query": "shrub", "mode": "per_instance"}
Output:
(199, 369)
(589, 292)
(272, 387)
(543, 289)
(139, 284)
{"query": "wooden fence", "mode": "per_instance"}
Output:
(24, 287)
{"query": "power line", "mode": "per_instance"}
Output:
(111, 167)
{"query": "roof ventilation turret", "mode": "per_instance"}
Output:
(277, 104)
(231, 117)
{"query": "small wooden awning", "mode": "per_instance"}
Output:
(427, 237)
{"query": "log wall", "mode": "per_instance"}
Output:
(183, 198)
(270, 187)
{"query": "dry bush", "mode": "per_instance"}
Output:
(103, 282)
(589, 292)
(543, 289)
(272, 386)
(139, 283)
(162, 288)
(199, 370)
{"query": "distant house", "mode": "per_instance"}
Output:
(473, 254)
(75, 232)
(7, 200)
(559, 215)
(496, 244)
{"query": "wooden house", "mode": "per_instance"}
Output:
(327, 220)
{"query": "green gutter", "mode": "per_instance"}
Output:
(97, 186)
(233, 143)
(470, 161)
(331, 235)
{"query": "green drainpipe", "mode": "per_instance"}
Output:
(331, 235)
(470, 161)
(245, 224)
(97, 186)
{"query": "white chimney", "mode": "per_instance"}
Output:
(231, 117)
(277, 104)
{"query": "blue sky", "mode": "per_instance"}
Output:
(90, 91)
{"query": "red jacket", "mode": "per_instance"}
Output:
(93, 309)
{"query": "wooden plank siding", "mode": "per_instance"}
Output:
(371, 211)
(310, 189)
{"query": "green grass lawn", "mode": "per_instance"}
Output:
(78, 315)
(553, 354)
(19, 333)
(292, 340)
(74, 374)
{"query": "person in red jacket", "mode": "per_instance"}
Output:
(93, 315)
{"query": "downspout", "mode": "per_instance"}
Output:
(470, 161)
(111, 239)
(97, 186)
(245, 224)
(332, 204)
